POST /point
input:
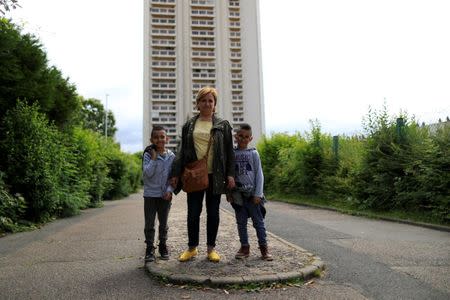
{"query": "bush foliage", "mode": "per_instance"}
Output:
(396, 165)
(53, 159)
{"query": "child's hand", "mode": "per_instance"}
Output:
(256, 200)
(229, 198)
(167, 196)
(153, 154)
(231, 184)
(174, 182)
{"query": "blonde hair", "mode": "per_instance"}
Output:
(205, 91)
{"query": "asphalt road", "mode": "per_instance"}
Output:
(377, 259)
(98, 255)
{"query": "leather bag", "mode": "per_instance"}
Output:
(195, 174)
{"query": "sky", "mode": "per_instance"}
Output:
(324, 60)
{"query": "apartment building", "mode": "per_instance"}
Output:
(189, 44)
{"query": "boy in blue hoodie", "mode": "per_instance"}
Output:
(247, 198)
(157, 163)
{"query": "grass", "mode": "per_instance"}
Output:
(351, 209)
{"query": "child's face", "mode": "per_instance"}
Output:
(243, 138)
(159, 138)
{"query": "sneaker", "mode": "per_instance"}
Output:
(265, 255)
(163, 251)
(243, 252)
(149, 254)
(213, 256)
(188, 254)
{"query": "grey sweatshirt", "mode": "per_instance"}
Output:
(248, 171)
(156, 174)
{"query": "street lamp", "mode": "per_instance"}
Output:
(106, 116)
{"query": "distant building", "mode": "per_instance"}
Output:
(189, 44)
(434, 127)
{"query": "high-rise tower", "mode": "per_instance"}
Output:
(189, 44)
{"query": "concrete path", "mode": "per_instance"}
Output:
(379, 259)
(98, 255)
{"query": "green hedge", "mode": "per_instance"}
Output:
(58, 173)
(396, 165)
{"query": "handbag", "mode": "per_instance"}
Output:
(195, 174)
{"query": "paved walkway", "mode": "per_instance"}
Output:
(290, 261)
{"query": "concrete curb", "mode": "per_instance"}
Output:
(306, 272)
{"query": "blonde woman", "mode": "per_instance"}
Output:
(194, 143)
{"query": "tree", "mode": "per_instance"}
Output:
(93, 116)
(26, 75)
(7, 5)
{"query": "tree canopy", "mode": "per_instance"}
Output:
(26, 75)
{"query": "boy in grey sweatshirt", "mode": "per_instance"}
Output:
(156, 166)
(247, 199)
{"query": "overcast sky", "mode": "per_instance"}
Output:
(323, 59)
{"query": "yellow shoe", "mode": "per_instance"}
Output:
(214, 256)
(188, 254)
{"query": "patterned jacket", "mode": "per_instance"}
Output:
(223, 161)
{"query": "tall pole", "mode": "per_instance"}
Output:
(106, 116)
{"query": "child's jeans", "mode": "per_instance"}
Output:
(153, 206)
(249, 209)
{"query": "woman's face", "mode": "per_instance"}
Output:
(206, 105)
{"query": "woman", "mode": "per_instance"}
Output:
(195, 136)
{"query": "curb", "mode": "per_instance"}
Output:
(304, 273)
(358, 214)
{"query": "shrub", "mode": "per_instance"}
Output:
(38, 164)
(12, 208)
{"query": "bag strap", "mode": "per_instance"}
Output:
(209, 146)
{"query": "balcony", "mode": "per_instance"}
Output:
(203, 65)
(163, 97)
(170, 2)
(202, 23)
(162, 11)
(235, 45)
(204, 76)
(234, 14)
(235, 55)
(202, 13)
(164, 75)
(163, 86)
(203, 54)
(235, 24)
(236, 66)
(235, 34)
(163, 64)
(198, 86)
(236, 76)
(163, 43)
(236, 87)
(163, 53)
(163, 21)
(203, 3)
(164, 120)
(165, 108)
(236, 98)
(203, 44)
(163, 32)
(202, 33)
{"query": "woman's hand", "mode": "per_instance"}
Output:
(230, 184)
(256, 200)
(174, 182)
